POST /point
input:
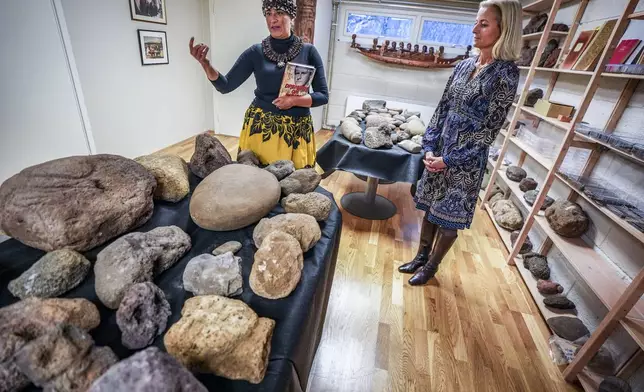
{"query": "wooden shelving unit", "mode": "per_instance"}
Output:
(619, 294)
(553, 34)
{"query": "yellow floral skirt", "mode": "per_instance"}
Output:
(273, 137)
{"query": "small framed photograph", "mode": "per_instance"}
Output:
(148, 11)
(153, 46)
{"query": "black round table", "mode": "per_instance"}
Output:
(376, 166)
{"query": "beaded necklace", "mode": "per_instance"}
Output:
(281, 58)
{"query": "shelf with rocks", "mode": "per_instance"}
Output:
(584, 73)
(612, 148)
(504, 233)
(537, 36)
(540, 159)
(621, 222)
(550, 120)
(603, 278)
(514, 188)
(541, 5)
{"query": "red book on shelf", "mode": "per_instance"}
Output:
(578, 48)
(624, 51)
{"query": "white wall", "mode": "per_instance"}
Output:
(135, 109)
(354, 74)
(323, 19)
(228, 17)
(608, 239)
(39, 115)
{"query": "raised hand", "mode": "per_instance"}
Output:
(199, 52)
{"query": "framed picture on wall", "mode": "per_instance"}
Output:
(153, 46)
(148, 11)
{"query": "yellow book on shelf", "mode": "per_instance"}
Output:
(590, 57)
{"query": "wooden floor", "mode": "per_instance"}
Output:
(474, 328)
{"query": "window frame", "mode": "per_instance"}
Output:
(439, 19)
(368, 11)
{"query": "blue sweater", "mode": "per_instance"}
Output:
(268, 76)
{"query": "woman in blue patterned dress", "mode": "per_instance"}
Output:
(466, 122)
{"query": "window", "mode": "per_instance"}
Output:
(446, 33)
(379, 25)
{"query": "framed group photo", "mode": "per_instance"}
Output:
(148, 11)
(153, 46)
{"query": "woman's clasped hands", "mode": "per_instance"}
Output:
(434, 164)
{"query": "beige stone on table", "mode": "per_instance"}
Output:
(233, 197)
(171, 173)
(277, 268)
(315, 204)
(303, 227)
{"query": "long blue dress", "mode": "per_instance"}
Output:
(466, 122)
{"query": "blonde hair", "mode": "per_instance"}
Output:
(509, 15)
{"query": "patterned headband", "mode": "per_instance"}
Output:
(287, 6)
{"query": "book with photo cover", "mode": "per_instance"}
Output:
(624, 51)
(578, 48)
(588, 60)
(297, 79)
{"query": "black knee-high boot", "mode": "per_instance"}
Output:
(444, 241)
(427, 234)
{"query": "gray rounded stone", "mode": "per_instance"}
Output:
(537, 264)
(230, 246)
(416, 127)
(515, 173)
(507, 215)
(559, 302)
(214, 275)
(567, 219)
(527, 244)
(301, 181)
(315, 204)
(142, 315)
(135, 258)
(209, 155)
(146, 371)
(351, 131)
(531, 196)
(52, 275)
(78, 202)
(247, 157)
(234, 197)
(281, 169)
(569, 328)
(378, 137)
(171, 173)
(410, 146)
(373, 104)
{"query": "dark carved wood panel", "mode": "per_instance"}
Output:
(305, 20)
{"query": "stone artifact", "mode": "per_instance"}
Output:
(315, 204)
(418, 139)
(559, 302)
(602, 362)
(408, 114)
(548, 287)
(567, 219)
(301, 181)
(416, 128)
(209, 155)
(281, 169)
(528, 184)
(531, 196)
(351, 131)
(150, 370)
(247, 157)
(515, 173)
(560, 27)
(536, 24)
(552, 46)
(537, 264)
(230, 246)
(52, 275)
(277, 267)
(304, 228)
(533, 96)
(171, 173)
(569, 328)
(222, 336)
(507, 215)
(233, 197)
(78, 202)
(614, 384)
(378, 137)
(394, 137)
(403, 135)
(552, 58)
(527, 244)
(29, 319)
(405, 127)
(376, 121)
(527, 55)
(370, 105)
(63, 359)
(410, 146)
(400, 117)
(135, 258)
(496, 197)
(142, 315)
(207, 274)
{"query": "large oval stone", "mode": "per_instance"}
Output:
(507, 215)
(233, 197)
(304, 228)
(277, 267)
(78, 202)
(567, 219)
